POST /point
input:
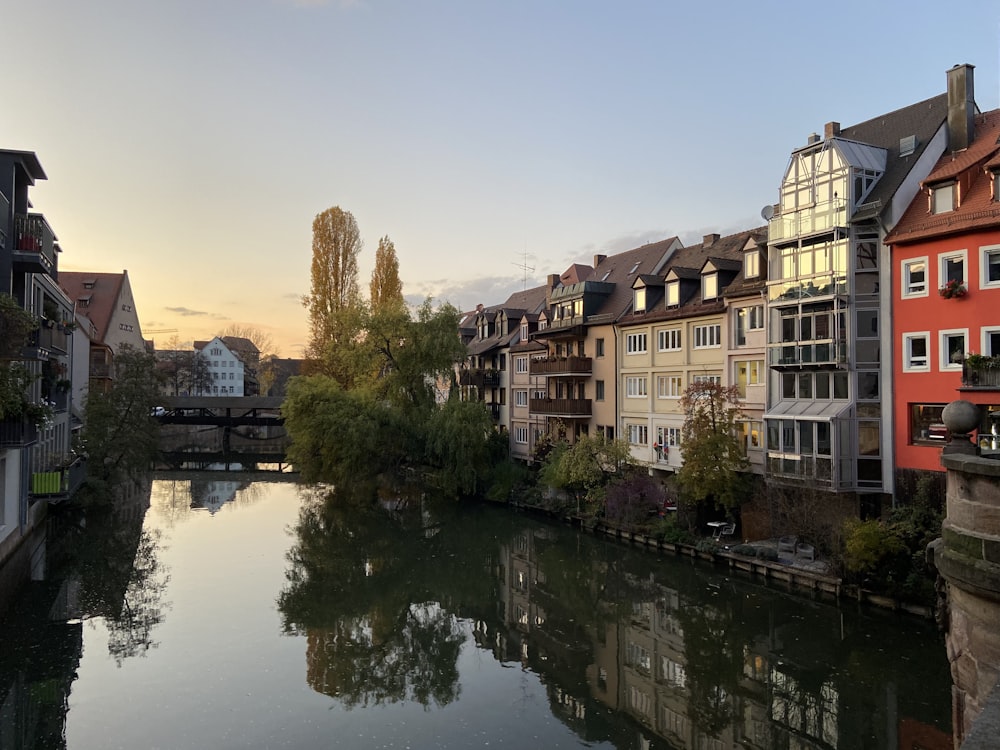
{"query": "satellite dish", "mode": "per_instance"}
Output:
(767, 213)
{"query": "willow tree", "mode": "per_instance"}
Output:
(333, 293)
(386, 288)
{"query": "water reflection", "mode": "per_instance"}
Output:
(683, 657)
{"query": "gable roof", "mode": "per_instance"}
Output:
(96, 294)
(978, 208)
(622, 269)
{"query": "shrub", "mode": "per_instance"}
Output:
(747, 550)
(766, 553)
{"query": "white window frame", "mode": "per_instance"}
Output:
(520, 398)
(984, 337)
(520, 434)
(638, 434)
(636, 386)
(639, 300)
(943, 259)
(984, 256)
(710, 285)
(524, 331)
(908, 364)
(943, 198)
(669, 386)
(520, 365)
(945, 364)
(672, 293)
(751, 264)
(710, 333)
(669, 339)
(717, 379)
(636, 343)
(907, 290)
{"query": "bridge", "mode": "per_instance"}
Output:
(222, 411)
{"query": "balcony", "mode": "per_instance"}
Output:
(4, 212)
(561, 407)
(822, 217)
(562, 366)
(17, 432)
(494, 411)
(34, 249)
(479, 378)
(44, 341)
(816, 353)
(983, 375)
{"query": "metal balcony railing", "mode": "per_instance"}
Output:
(34, 243)
(17, 432)
(982, 376)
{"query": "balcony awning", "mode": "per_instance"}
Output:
(818, 411)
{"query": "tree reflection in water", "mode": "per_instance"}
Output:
(377, 596)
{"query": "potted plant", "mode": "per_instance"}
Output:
(954, 289)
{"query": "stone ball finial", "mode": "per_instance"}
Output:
(961, 417)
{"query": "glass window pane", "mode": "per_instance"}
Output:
(822, 385)
(840, 385)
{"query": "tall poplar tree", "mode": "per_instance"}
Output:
(386, 288)
(334, 289)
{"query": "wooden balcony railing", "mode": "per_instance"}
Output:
(563, 366)
(562, 407)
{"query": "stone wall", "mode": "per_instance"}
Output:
(968, 558)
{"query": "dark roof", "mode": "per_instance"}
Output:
(922, 120)
(621, 270)
(100, 292)
(977, 209)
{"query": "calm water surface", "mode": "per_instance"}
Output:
(256, 615)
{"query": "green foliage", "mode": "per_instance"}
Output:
(119, 437)
(462, 447)
(714, 461)
(386, 290)
(670, 531)
(16, 325)
(586, 467)
(747, 550)
(868, 543)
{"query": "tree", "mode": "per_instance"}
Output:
(197, 375)
(119, 436)
(334, 286)
(713, 453)
(585, 468)
(386, 288)
(259, 338)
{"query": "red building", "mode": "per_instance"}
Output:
(946, 295)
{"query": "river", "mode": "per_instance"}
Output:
(253, 614)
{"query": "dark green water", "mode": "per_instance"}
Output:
(264, 618)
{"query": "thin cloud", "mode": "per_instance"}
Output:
(187, 312)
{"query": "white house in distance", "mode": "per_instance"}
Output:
(225, 368)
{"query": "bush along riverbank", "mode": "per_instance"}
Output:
(772, 560)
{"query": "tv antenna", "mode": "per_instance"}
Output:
(525, 267)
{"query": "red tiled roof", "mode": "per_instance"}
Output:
(977, 208)
(101, 297)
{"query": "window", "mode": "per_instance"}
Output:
(599, 390)
(925, 424)
(524, 331)
(717, 379)
(520, 365)
(915, 277)
(991, 342)
(635, 343)
(639, 300)
(953, 348)
(943, 198)
(669, 340)
(599, 347)
(916, 352)
(751, 433)
(748, 319)
(989, 267)
(638, 434)
(751, 264)
(750, 372)
(707, 337)
(710, 286)
(673, 293)
(952, 268)
(635, 387)
(520, 434)
(668, 386)
(520, 398)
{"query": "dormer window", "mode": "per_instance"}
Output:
(995, 177)
(943, 198)
(639, 300)
(710, 286)
(673, 292)
(751, 264)
(524, 331)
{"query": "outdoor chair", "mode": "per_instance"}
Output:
(805, 552)
(786, 545)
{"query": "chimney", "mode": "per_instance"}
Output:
(961, 108)
(709, 239)
(479, 307)
(553, 280)
(831, 130)
(813, 138)
(598, 259)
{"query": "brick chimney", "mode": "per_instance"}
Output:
(598, 259)
(831, 130)
(553, 280)
(709, 239)
(961, 108)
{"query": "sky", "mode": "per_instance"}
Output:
(192, 142)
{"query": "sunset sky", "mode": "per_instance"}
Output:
(193, 141)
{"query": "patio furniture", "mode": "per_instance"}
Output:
(805, 552)
(787, 544)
